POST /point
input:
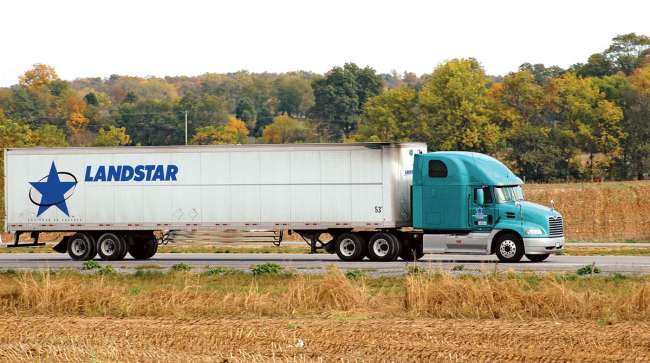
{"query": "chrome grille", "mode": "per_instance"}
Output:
(555, 227)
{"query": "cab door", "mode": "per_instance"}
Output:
(482, 217)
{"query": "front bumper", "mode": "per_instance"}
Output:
(543, 245)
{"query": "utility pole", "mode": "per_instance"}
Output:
(185, 127)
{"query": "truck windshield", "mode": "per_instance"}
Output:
(511, 193)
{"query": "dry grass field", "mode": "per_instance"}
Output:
(610, 211)
(223, 315)
(343, 340)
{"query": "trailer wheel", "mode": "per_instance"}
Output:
(509, 248)
(142, 248)
(350, 247)
(537, 258)
(383, 247)
(81, 247)
(125, 245)
(110, 246)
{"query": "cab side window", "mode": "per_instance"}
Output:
(487, 195)
(437, 169)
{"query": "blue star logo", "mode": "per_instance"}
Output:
(53, 191)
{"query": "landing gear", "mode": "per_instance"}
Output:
(412, 248)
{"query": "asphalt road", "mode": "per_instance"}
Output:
(319, 262)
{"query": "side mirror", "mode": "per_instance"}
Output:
(480, 198)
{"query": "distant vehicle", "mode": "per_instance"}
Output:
(376, 200)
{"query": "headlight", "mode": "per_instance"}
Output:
(534, 231)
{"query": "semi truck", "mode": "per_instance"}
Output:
(382, 201)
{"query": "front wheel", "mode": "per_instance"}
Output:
(509, 248)
(537, 258)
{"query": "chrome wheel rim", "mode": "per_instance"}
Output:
(347, 247)
(508, 248)
(78, 246)
(108, 246)
(381, 247)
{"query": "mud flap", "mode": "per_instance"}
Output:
(62, 247)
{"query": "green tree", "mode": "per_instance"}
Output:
(627, 50)
(457, 109)
(579, 108)
(113, 136)
(48, 136)
(636, 124)
(91, 99)
(390, 116)
(204, 110)
(598, 65)
(519, 111)
(294, 94)
(284, 130)
(542, 73)
(519, 99)
(245, 111)
(14, 134)
(151, 122)
(340, 96)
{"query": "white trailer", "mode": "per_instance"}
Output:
(115, 199)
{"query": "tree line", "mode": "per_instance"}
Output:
(588, 122)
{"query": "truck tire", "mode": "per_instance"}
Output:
(81, 247)
(125, 246)
(350, 247)
(537, 258)
(509, 248)
(110, 246)
(143, 248)
(383, 246)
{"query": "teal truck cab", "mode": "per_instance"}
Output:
(467, 202)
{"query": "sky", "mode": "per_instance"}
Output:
(192, 37)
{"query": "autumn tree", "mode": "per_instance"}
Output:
(77, 121)
(113, 136)
(284, 130)
(234, 132)
(39, 76)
